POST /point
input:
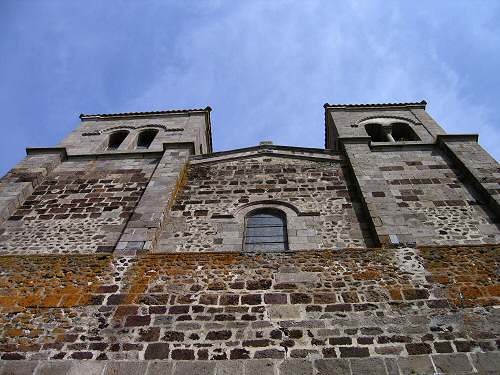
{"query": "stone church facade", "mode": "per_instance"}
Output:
(132, 247)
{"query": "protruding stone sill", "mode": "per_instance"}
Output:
(457, 138)
(472, 363)
(135, 154)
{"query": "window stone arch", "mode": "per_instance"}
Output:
(301, 232)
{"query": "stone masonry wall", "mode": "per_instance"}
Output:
(20, 181)
(206, 215)
(420, 191)
(81, 207)
(403, 303)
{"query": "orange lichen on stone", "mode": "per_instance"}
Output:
(367, 275)
(35, 289)
(468, 273)
(396, 294)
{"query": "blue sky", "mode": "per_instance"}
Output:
(265, 67)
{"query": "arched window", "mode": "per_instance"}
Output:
(265, 229)
(146, 137)
(376, 132)
(403, 132)
(116, 139)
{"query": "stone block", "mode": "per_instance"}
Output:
(18, 367)
(125, 367)
(350, 352)
(368, 366)
(157, 351)
(391, 365)
(452, 363)
(54, 368)
(295, 367)
(229, 367)
(485, 362)
(261, 367)
(283, 312)
(195, 368)
(332, 366)
(417, 365)
(160, 368)
(296, 277)
(86, 367)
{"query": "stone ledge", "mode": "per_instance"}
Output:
(478, 363)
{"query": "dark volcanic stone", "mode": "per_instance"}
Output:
(157, 350)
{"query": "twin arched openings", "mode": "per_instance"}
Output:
(144, 139)
(265, 230)
(395, 132)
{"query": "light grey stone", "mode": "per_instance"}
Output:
(283, 312)
(194, 368)
(368, 366)
(332, 366)
(452, 363)
(125, 367)
(54, 368)
(296, 277)
(159, 368)
(233, 367)
(391, 365)
(296, 367)
(17, 367)
(489, 361)
(86, 367)
(260, 366)
(415, 365)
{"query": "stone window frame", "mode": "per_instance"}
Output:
(299, 232)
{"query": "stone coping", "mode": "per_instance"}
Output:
(268, 150)
(100, 116)
(364, 106)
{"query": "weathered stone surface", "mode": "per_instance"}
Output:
(160, 368)
(418, 365)
(283, 312)
(486, 361)
(125, 367)
(296, 367)
(180, 288)
(195, 368)
(17, 367)
(368, 366)
(452, 363)
(264, 367)
(296, 277)
(332, 366)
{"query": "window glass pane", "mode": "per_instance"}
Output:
(263, 221)
(257, 239)
(266, 231)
